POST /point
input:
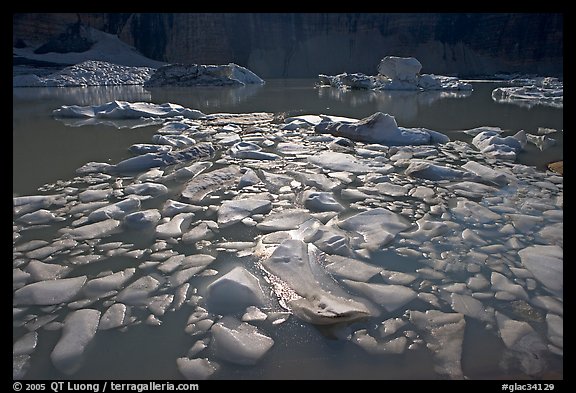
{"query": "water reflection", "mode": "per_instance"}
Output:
(206, 99)
(117, 123)
(404, 105)
(92, 95)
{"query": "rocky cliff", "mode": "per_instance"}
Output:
(306, 44)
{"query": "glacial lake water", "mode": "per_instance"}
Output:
(46, 150)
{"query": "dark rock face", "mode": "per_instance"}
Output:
(72, 40)
(305, 45)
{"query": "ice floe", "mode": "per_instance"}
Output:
(88, 73)
(395, 73)
(541, 91)
(202, 75)
(196, 369)
(239, 343)
(49, 292)
(126, 110)
(235, 289)
(79, 329)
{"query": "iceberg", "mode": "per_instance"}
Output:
(395, 73)
(202, 75)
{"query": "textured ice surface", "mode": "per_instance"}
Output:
(232, 212)
(196, 369)
(138, 293)
(377, 226)
(239, 343)
(235, 290)
(546, 263)
(79, 329)
(116, 210)
(100, 286)
(444, 334)
(49, 292)
(391, 297)
(353, 269)
(284, 220)
(25, 345)
(176, 226)
(127, 110)
(340, 162)
(523, 341)
(114, 317)
(142, 219)
(205, 183)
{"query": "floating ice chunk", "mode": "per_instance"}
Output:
(171, 208)
(546, 264)
(392, 189)
(290, 262)
(152, 189)
(159, 304)
(472, 190)
(41, 216)
(199, 232)
(234, 211)
(469, 306)
(142, 219)
(138, 293)
(196, 369)
(340, 162)
(400, 278)
(555, 325)
(26, 344)
(113, 317)
(391, 297)
(430, 171)
(470, 211)
(97, 287)
(249, 178)
(519, 337)
(477, 283)
(49, 292)
(487, 173)
(20, 366)
(378, 226)
(189, 171)
(202, 75)
(40, 271)
(321, 201)
(284, 220)
(19, 278)
(444, 334)
(95, 230)
(143, 148)
(315, 180)
(400, 68)
(94, 195)
(391, 326)
(52, 248)
(126, 110)
(79, 329)
(542, 142)
(116, 210)
(205, 183)
(173, 140)
(471, 237)
(176, 226)
(428, 229)
(371, 345)
(251, 151)
(548, 303)
(525, 223)
(239, 343)
(377, 128)
(351, 268)
(529, 96)
(253, 314)
(236, 289)
(501, 283)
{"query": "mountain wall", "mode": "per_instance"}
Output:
(292, 45)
